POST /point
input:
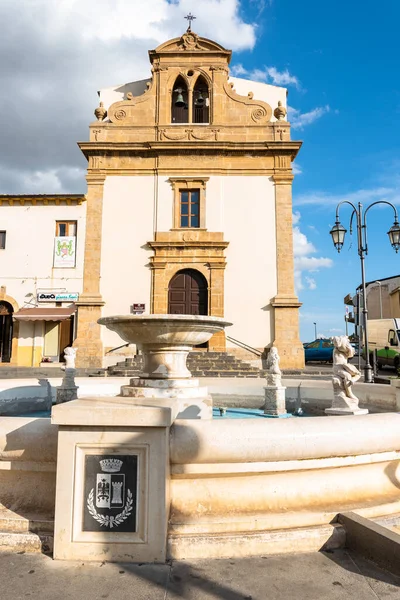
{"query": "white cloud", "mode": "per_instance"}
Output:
(296, 168)
(269, 75)
(299, 120)
(55, 55)
(364, 196)
(282, 77)
(113, 20)
(303, 262)
(311, 283)
(238, 70)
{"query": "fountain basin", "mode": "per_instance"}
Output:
(165, 340)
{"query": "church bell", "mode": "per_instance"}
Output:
(179, 102)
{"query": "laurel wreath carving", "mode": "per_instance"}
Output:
(107, 520)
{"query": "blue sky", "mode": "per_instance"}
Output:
(338, 59)
(344, 59)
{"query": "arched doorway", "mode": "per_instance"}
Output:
(6, 331)
(188, 293)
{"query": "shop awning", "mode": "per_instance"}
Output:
(44, 314)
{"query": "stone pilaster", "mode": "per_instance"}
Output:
(88, 341)
(286, 304)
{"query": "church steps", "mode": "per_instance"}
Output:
(201, 364)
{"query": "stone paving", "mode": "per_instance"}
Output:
(337, 575)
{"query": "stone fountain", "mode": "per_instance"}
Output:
(165, 341)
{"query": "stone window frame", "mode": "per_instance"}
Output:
(188, 183)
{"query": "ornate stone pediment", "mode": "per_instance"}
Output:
(189, 42)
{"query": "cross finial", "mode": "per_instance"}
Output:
(190, 18)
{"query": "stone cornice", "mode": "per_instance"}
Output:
(259, 147)
(188, 244)
(282, 178)
(42, 199)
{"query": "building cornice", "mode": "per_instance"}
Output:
(168, 147)
(41, 199)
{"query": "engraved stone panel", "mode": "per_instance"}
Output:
(110, 493)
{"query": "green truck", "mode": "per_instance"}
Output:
(384, 338)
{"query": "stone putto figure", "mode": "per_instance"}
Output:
(275, 403)
(343, 377)
(274, 372)
(69, 355)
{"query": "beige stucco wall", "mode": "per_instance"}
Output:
(250, 275)
(133, 206)
(26, 264)
(128, 209)
(271, 94)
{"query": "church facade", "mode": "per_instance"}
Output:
(189, 204)
(188, 210)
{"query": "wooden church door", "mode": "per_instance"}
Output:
(188, 293)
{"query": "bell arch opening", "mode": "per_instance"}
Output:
(179, 101)
(201, 101)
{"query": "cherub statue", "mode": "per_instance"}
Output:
(274, 372)
(344, 375)
(69, 355)
(273, 361)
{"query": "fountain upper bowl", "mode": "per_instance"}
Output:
(189, 330)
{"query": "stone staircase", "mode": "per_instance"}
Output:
(200, 364)
(30, 533)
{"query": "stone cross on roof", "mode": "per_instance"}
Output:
(190, 18)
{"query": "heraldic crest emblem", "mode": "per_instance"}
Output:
(110, 492)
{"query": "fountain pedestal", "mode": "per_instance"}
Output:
(185, 398)
(165, 341)
(112, 496)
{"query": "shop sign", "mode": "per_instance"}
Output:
(57, 297)
(64, 252)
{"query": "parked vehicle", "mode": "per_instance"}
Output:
(321, 350)
(383, 338)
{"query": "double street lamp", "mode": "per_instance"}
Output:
(338, 233)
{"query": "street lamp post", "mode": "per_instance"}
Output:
(338, 233)
(315, 331)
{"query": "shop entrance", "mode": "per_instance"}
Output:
(6, 331)
(57, 336)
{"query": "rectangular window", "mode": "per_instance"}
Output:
(65, 228)
(189, 208)
(2, 240)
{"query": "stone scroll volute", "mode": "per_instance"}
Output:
(254, 112)
(136, 110)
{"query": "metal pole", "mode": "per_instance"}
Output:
(380, 298)
(368, 374)
(359, 329)
(315, 330)
(345, 318)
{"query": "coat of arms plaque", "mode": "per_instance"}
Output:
(110, 492)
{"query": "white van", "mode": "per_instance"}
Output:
(384, 336)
